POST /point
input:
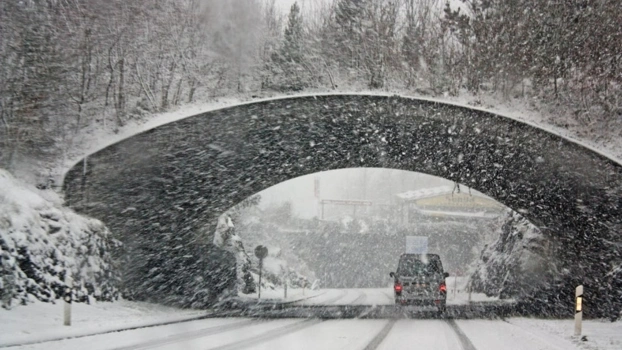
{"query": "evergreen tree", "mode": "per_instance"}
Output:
(349, 15)
(289, 67)
(411, 51)
(292, 50)
(343, 34)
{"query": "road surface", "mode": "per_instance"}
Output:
(353, 334)
(409, 332)
(456, 295)
(378, 296)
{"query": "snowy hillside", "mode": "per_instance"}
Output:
(517, 262)
(40, 241)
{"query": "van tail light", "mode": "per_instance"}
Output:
(443, 288)
(398, 287)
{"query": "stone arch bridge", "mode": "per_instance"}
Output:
(162, 191)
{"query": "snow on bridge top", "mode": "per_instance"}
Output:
(96, 140)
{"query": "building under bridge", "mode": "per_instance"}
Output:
(457, 221)
(445, 203)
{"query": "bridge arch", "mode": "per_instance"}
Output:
(175, 179)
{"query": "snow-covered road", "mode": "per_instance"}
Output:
(378, 296)
(353, 334)
(361, 303)
(368, 296)
(131, 326)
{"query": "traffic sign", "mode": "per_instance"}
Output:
(261, 252)
(416, 245)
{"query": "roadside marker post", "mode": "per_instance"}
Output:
(578, 310)
(260, 252)
(68, 299)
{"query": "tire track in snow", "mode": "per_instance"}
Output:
(275, 333)
(335, 299)
(189, 335)
(389, 295)
(465, 342)
(360, 299)
(326, 302)
(374, 343)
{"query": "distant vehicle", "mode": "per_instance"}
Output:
(420, 280)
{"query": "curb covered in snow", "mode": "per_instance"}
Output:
(86, 333)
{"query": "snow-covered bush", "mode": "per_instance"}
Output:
(226, 238)
(40, 241)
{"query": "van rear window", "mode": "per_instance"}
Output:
(411, 266)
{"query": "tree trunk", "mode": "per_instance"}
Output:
(193, 86)
(166, 87)
(177, 94)
(121, 93)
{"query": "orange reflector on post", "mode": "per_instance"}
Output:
(579, 304)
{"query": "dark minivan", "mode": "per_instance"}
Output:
(420, 280)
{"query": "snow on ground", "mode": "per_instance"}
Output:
(528, 334)
(370, 296)
(187, 336)
(334, 334)
(278, 295)
(43, 321)
(457, 292)
(308, 297)
(496, 334)
(600, 334)
(375, 296)
(40, 321)
(97, 138)
(364, 296)
(428, 334)
(333, 297)
(354, 334)
(131, 339)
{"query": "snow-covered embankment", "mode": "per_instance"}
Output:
(40, 241)
(519, 261)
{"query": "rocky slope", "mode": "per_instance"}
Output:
(41, 242)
